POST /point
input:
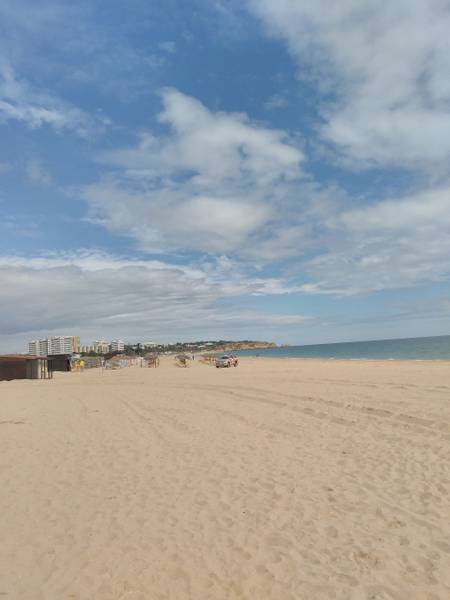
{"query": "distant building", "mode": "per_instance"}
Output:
(42, 348)
(60, 345)
(75, 343)
(117, 346)
(33, 348)
(86, 348)
(97, 347)
(38, 347)
(101, 347)
(65, 344)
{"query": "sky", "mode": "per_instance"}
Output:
(208, 169)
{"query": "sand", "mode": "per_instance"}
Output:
(281, 479)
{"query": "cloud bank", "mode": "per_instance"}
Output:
(214, 183)
(384, 67)
(96, 294)
(218, 184)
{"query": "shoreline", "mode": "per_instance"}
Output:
(333, 358)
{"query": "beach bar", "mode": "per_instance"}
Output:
(24, 366)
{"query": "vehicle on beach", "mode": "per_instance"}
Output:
(226, 360)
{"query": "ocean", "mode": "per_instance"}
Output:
(423, 348)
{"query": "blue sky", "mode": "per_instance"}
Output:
(208, 169)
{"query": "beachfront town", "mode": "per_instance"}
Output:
(68, 344)
(66, 353)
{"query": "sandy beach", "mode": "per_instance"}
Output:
(281, 479)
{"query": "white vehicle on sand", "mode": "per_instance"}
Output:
(226, 361)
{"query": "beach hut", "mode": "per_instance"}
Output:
(24, 366)
(60, 362)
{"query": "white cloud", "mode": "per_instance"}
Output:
(392, 244)
(94, 294)
(387, 66)
(212, 184)
(218, 184)
(5, 167)
(37, 173)
(35, 108)
(210, 148)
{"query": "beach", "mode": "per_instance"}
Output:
(282, 479)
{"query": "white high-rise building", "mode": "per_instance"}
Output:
(43, 348)
(65, 344)
(117, 346)
(38, 347)
(60, 345)
(33, 347)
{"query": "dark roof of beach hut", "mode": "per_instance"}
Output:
(10, 357)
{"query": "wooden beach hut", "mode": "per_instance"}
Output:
(60, 362)
(24, 366)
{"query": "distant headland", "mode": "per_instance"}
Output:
(204, 346)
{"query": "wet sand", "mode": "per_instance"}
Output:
(281, 479)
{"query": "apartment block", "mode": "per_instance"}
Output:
(86, 348)
(101, 347)
(147, 344)
(60, 345)
(43, 347)
(66, 344)
(97, 347)
(75, 343)
(38, 347)
(117, 346)
(33, 348)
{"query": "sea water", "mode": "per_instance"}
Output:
(423, 348)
